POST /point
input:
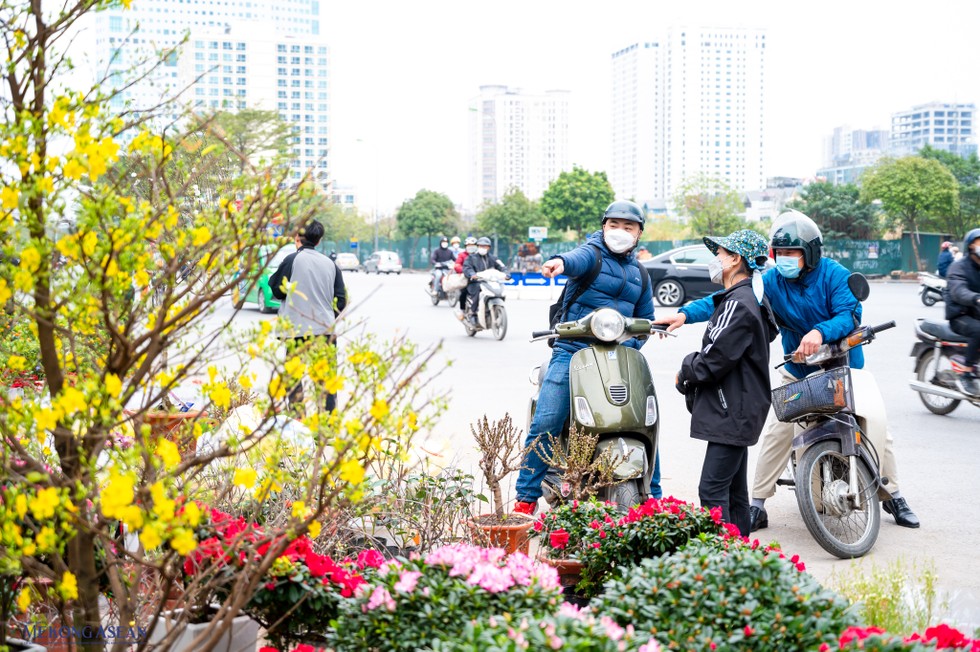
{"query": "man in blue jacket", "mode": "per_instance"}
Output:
(813, 304)
(618, 286)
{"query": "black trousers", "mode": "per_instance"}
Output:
(724, 483)
(295, 346)
(968, 327)
(473, 294)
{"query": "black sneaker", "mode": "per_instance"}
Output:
(903, 514)
(759, 519)
(967, 383)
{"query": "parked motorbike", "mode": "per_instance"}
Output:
(612, 396)
(434, 289)
(937, 363)
(490, 313)
(932, 288)
(836, 467)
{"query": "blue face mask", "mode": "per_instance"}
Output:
(788, 266)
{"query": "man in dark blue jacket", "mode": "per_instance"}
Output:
(813, 304)
(945, 258)
(618, 286)
(963, 308)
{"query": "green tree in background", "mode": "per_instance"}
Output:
(917, 194)
(838, 211)
(967, 173)
(428, 213)
(711, 205)
(511, 218)
(576, 200)
(247, 136)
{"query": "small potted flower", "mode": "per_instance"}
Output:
(567, 531)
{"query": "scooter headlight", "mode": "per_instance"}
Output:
(608, 325)
(651, 415)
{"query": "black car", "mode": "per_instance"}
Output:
(681, 275)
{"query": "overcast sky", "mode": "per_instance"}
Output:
(404, 71)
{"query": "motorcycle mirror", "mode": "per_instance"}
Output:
(859, 286)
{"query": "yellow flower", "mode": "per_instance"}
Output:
(245, 381)
(20, 505)
(5, 292)
(30, 259)
(45, 184)
(315, 528)
(192, 513)
(46, 419)
(117, 495)
(333, 384)
(244, 478)
(379, 410)
(73, 169)
(299, 509)
(168, 452)
(163, 506)
(113, 385)
(294, 367)
(221, 395)
(9, 197)
(89, 241)
(183, 542)
(141, 278)
(200, 236)
(24, 599)
(351, 471)
(150, 536)
(44, 503)
(68, 587)
(71, 401)
(46, 539)
(16, 363)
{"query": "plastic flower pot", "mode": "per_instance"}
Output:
(20, 645)
(241, 637)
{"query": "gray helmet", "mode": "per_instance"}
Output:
(970, 237)
(483, 242)
(794, 230)
(624, 210)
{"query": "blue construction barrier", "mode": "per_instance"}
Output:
(535, 279)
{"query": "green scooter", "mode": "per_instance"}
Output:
(612, 395)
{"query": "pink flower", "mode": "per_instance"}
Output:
(379, 597)
(613, 630)
(649, 646)
(370, 558)
(407, 581)
(748, 631)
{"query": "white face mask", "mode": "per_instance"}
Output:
(444, 245)
(618, 240)
(471, 249)
(483, 251)
(976, 250)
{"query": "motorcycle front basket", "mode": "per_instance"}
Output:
(828, 392)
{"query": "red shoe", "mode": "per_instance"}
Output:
(520, 507)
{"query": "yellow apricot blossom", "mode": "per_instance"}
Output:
(9, 197)
(379, 409)
(117, 495)
(168, 452)
(183, 541)
(113, 385)
(43, 505)
(220, 395)
(351, 471)
(294, 367)
(150, 536)
(192, 514)
(30, 259)
(299, 509)
(16, 363)
(24, 599)
(244, 478)
(69, 586)
(71, 401)
(314, 529)
(73, 169)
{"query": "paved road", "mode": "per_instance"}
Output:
(937, 456)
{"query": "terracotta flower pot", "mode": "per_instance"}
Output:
(569, 575)
(512, 534)
(168, 425)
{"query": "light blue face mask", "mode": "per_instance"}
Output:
(788, 266)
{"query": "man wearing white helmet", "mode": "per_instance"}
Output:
(813, 304)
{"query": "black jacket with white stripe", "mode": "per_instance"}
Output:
(729, 376)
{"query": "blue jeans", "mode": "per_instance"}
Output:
(554, 404)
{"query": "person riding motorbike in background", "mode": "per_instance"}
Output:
(460, 259)
(475, 263)
(945, 258)
(618, 286)
(454, 246)
(813, 304)
(441, 255)
(962, 297)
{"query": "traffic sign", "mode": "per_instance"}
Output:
(537, 232)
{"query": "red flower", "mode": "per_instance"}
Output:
(268, 648)
(858, 634)
(538, 526)
(748, 631)
(944, 636)
(558, 539)
(319, 565)
(304, 647)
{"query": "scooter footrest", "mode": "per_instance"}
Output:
(785, 482)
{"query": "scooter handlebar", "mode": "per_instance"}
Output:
(537, 334)
(883, 327)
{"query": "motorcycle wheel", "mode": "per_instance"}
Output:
(839, 529)
(923, 370)
(434, 296)
(928, 299)
(626, 495)
(499, 322)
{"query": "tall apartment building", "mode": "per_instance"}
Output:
(517, 140)
(259, 53)
(690, 102)
(946, 126)
(847, 153)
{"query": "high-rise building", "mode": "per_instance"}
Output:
(692, 102)
(517, 140)
(259, 54)
(945, 126)
(849, 152)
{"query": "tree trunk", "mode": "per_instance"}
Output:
(914, 237)
(498, 499)
(86, 618)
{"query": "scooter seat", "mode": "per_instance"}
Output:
(941, 330)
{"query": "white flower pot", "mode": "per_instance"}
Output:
(20, 645)
(241, 637)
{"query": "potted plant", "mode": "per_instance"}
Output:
(566, 531)
(501, 453)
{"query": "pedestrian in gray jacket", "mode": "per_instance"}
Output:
(315, 296)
